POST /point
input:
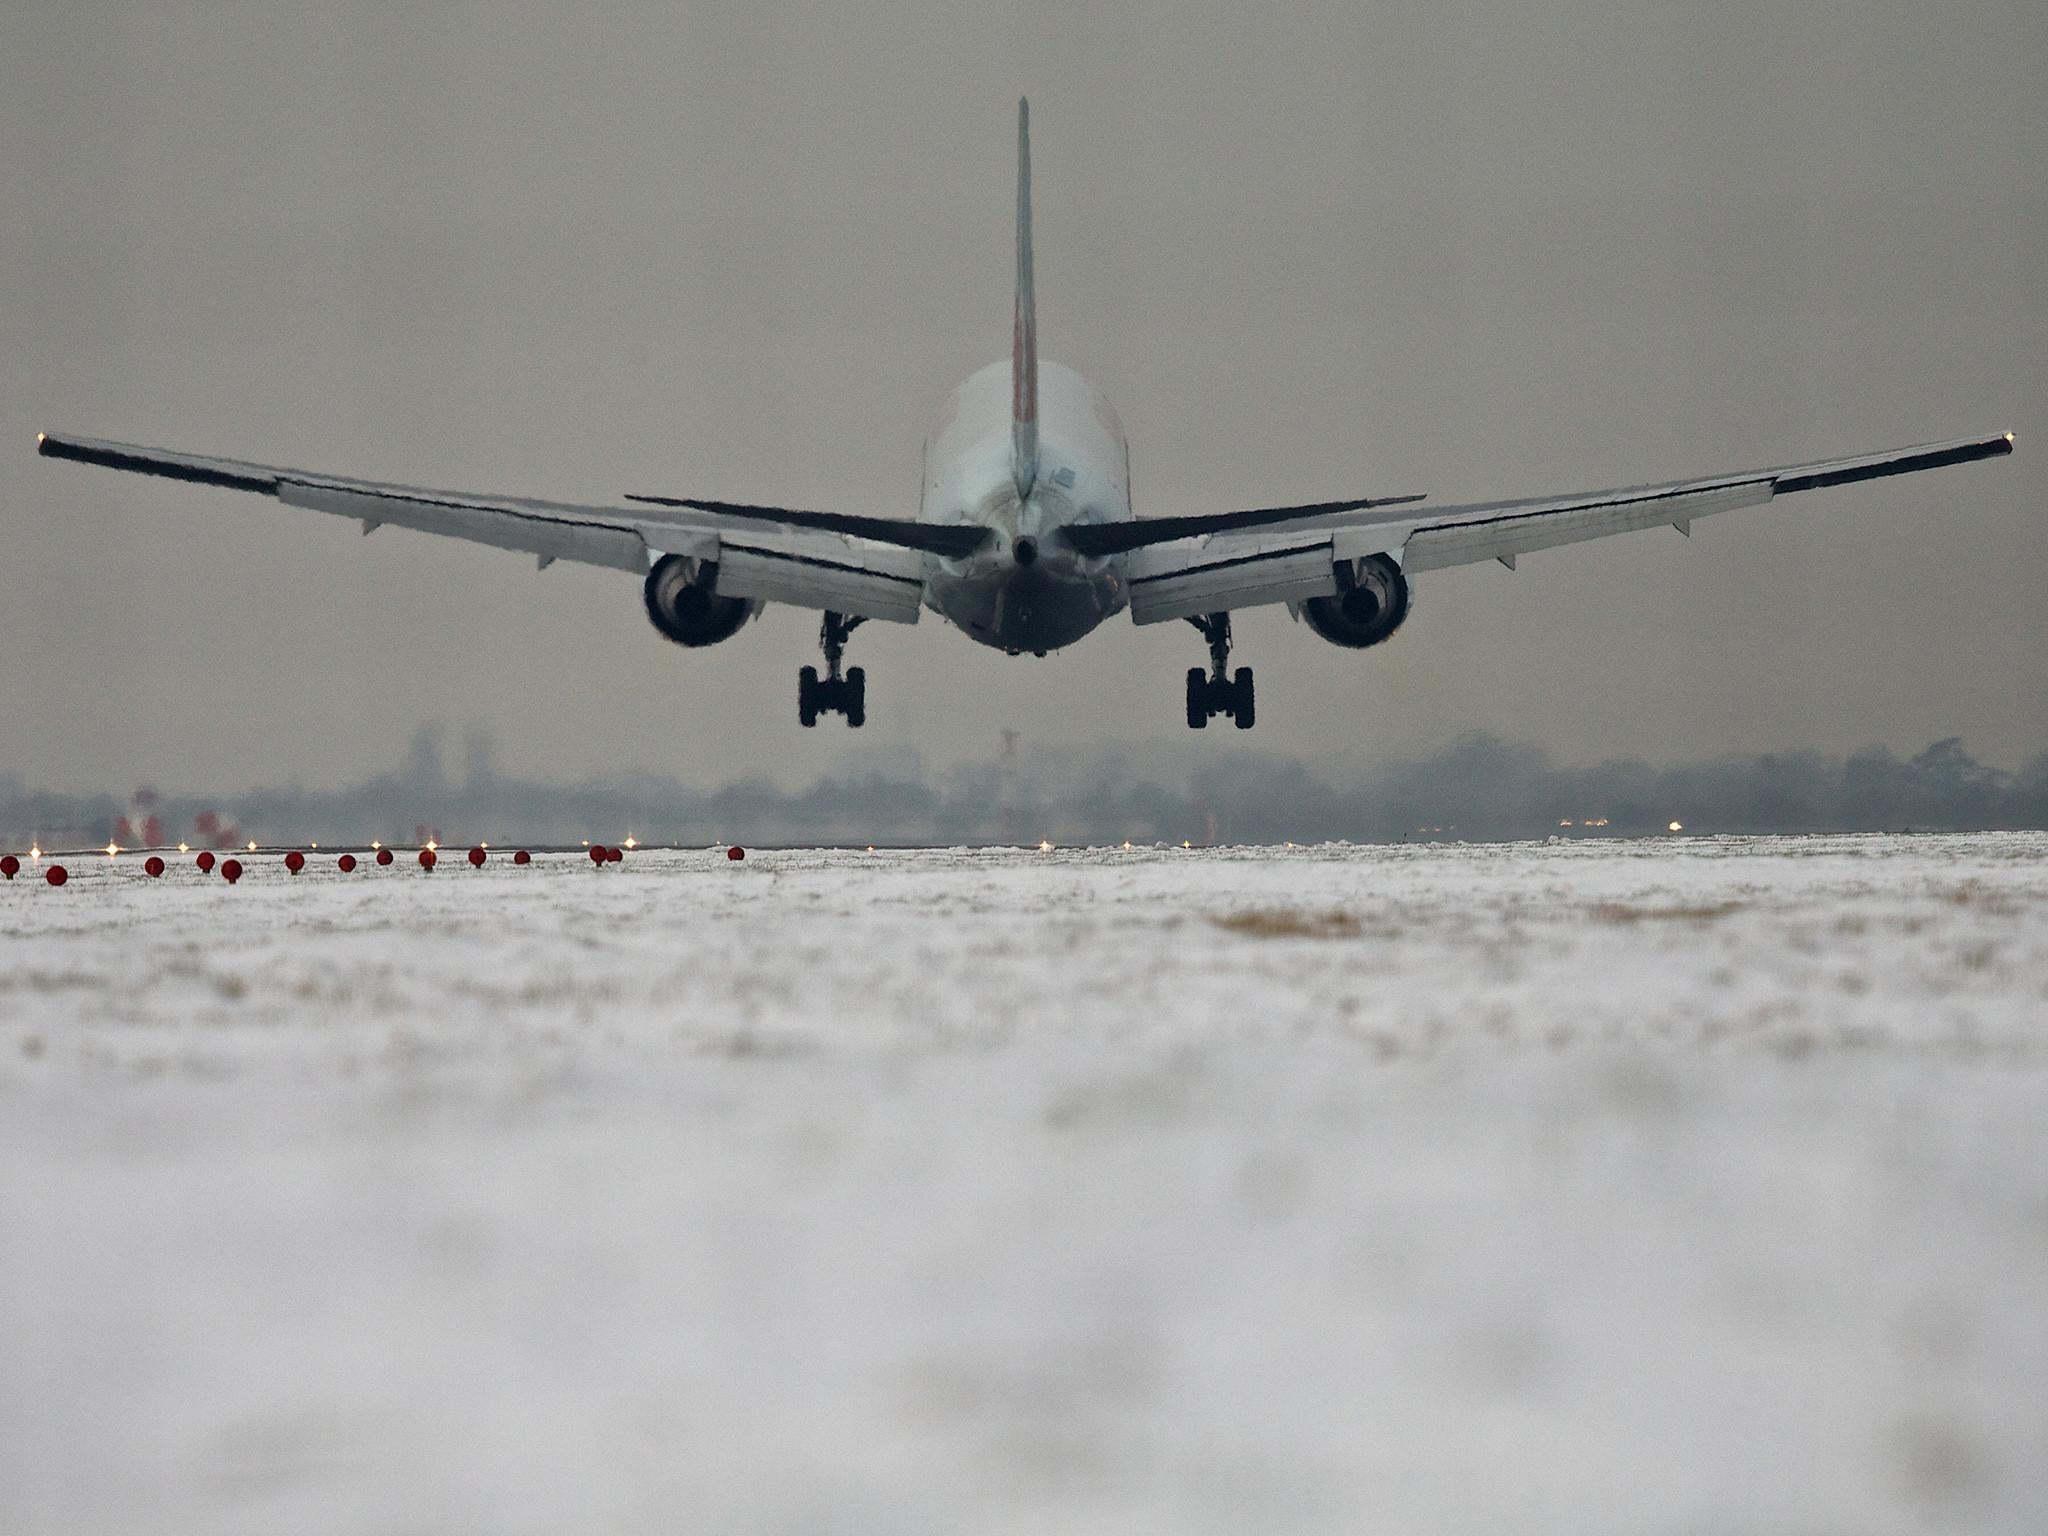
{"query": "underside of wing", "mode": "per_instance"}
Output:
(865, 566)
(1504, 530)
(607, 536)
(812, 568)
(1306, 558)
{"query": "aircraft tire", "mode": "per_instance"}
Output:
(807, 697)
(1246, 710)
(1198, 698)
(854, 700)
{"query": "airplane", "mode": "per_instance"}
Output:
(1024, 536)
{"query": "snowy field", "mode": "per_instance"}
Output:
(1686, 1186)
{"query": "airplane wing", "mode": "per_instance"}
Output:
(873, 567)
(1233, 568)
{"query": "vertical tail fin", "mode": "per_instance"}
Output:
(1024, 332)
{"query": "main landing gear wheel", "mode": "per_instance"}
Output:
(1215, 692)
(833, 694)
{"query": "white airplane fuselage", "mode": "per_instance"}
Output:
(1026, 589)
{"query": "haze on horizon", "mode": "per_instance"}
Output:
(743, 252)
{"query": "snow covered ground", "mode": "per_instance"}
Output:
(1641, 1187)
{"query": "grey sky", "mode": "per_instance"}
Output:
(1310, 251)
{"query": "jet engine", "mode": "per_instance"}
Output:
(683, 602)
(1371, 602)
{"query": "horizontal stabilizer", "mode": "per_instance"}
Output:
(953, 540)
(1098, 539)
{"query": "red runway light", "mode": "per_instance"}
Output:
(426, 858)
(384, 856)
(205, 862)
(346, 863)
(295, 861)
(522, 857)
(56, 875)
(476, 858)
(10, 866)
(231, 870)
(153, 867)
(597, 853)
(615, 855)
(735, 853)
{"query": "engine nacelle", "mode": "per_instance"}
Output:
(1372, 601)
(683, 602)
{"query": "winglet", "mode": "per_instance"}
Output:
(1024, 328)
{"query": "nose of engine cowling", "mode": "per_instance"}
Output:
(1024, 551)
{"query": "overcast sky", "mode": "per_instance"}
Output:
(742, 251)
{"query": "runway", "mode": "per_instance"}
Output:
(1599, 1186)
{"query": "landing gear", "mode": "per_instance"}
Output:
(833, 694)
(1215, 692)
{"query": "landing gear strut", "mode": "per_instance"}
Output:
(1216, 692)
(833, 694)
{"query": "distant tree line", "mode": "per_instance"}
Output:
(1483, 789)
(1480, 789)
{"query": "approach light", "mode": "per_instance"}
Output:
(314, 845)
(112, 850)
(630, 843)
(183, 849)
(35, 852)
(432, 846)
(375, 845)
(1045, 847)
(252, 847)
(1677, 827)
(1127, 845)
